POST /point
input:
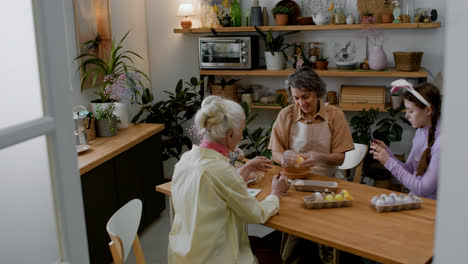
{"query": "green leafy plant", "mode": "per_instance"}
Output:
(388, 130)
(111, 67)
(247, 90)
(322, 59)
(367, 13)
(181, 106)
(282, 100)
(256, 140)
(275, 44)
(282, 10)
(108, 113)
(361, 124)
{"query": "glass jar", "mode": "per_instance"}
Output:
(314, 50)
(339, 17)
(407, 11)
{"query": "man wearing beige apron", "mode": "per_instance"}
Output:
(316, 131)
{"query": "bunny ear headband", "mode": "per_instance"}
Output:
(396, 85)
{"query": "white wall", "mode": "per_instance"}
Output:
(452, 217)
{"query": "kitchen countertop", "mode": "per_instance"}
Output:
(103, 149)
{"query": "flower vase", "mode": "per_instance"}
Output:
(377, 58)
(121, 110)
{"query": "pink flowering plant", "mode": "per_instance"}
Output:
(121, 80)
(372, 33)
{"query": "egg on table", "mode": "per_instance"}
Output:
(374, 199)
(339, 197)
(398, 200)
(329, 198)
(407, 200)
(390, 201)
(380, 202)
(393, 195)
(318, 197)
(383, 196)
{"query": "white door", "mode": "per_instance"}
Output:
(41, 208)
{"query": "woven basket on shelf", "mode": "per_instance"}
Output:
(91, 131)
(407, 61)
(228, 91)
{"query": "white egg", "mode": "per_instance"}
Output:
(402, 196)
(390, 201)
(374, 199)
(407, 200)
(318, 197)
(299, 183)
(393, 195)
(380, 202)
(383, 196)
(398, 200)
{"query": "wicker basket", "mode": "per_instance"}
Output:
(91, 131)
(407, 61)
(228, 91)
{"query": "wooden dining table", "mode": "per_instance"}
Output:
(405, 236)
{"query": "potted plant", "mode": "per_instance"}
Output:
(387, 129)
(246, 95)
(106, 121)
(367, 17)
(321, 63)
(258, 139)
(121, 81)
(387, 16)
(274, 48)
(174, 112)
(226, 89)
(377, 56)
(281, 14)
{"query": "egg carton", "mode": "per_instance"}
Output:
(401, 201)
(311, 202)
(314, 186)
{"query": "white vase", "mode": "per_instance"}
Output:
(396, 101)
(247, 98)
(121, 110)
(377, 58)
(274, 63)
(350, 20)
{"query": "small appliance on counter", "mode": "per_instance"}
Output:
(79, 117)
(228, 52)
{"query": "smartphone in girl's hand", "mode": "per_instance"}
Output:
(371, 137)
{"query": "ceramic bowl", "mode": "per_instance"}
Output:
(294, 173)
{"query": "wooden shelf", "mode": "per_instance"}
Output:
(389, 72)
(346, 109)
(308, 27)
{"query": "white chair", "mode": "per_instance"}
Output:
(122, 229)
(355, 159)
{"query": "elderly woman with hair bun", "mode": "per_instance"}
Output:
(210, 198)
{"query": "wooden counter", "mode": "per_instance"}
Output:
(105, 148)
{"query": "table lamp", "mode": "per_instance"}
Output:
(185, 10)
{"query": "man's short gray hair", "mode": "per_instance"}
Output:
(306, 79)
(217, 116)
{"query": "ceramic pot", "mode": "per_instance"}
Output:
(321, 64)
(247, 98)
(350, 20)
(367, 19)
(387, 18)
(121, 110)
(104, 127)
(377, 58)
(274, 62)
(396, 101)
(281, 19)
(226, 21)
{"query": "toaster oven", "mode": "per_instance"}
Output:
(228, 52)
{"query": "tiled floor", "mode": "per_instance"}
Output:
(155, 238)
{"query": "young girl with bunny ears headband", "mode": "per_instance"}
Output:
(420, 172)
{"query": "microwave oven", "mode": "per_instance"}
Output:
(228, 52)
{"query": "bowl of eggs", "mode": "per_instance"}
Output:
(395, 202)
(328, 200)
(297, 172)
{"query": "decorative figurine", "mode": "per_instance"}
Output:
(396, 11)
(299, 62)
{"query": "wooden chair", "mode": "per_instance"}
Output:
(122, 228)
(355, 159)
